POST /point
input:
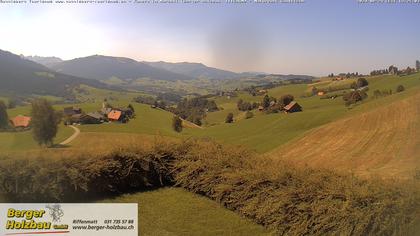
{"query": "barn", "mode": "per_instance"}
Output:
(292, 107)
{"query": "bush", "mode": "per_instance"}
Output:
(177, 124)
(286, 99)
(400, 88)
(229, 118)
(354, 97)
(249, 115)
(290, 200)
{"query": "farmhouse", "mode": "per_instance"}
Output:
(260, 108)
(90, 118)
(21, 121)
(292, 107)
(69, 111)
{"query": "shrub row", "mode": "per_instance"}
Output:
(291, 200)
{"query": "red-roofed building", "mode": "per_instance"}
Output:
(114, 115)
(21, 121)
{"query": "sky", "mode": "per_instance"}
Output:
(317, 37)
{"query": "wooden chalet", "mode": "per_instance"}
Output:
(292, 107)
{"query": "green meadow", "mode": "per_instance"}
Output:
(174, 211)
(263, 132)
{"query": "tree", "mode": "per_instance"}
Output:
(362, 82)
(177, 124)
(4, 118)
(418, 66)
(239, 104)
(353, 85)
(249, 115)
(44, 122)
(400, 88)
(354, 97)
(131, 107)
(12, 103)
(266, 101)
(286, 99)
(229, 118)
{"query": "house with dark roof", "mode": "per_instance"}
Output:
(292, 107)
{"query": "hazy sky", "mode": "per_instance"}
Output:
(316, 37)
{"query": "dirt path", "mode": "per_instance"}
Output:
(71, 138)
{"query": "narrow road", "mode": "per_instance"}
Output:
(71, 138)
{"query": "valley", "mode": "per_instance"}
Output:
(373, 138)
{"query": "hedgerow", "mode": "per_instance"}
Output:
(278, 195)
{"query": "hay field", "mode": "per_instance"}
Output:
(384, 142)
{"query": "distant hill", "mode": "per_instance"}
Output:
(105, 68)
(21, 76)
(196, 70)
(46, 61)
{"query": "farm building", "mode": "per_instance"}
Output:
(260, 108)
(90, 118)
(69, 111)
(292, 107)
(21, 121)
(106, 110)
(115, 115)
(94, 118)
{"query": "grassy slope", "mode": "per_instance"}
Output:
(16, 141)
(384, 141)
(266, 132)
(263, 132)
(147, 121)
(174, 211)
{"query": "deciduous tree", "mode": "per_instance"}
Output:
(44, 122)
(4, 118)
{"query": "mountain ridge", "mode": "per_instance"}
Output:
(22, 76)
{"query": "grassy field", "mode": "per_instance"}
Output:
(266, 132)
(174, 211)
(384, 141)
(16, 141)
(262, 133)
(147, 121)
(19, 141)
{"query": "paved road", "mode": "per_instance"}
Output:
(71, 138)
